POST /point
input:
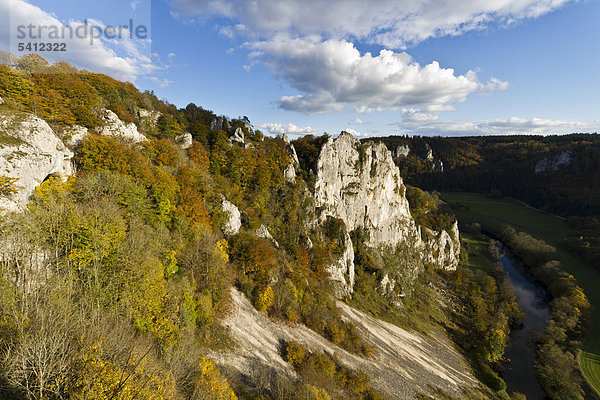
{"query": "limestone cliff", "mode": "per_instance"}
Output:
(31, 152)
(360, 184)
(113, 126)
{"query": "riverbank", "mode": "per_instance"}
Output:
(556, 363)
(519, 373)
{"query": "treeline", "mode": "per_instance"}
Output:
(507, 165)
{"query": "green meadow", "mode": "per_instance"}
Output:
(479, 208)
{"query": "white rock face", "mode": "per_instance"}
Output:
(290, 173)
(184, 141)
(29, 151)
(290, 149)
(150, 116)
(429, 153)
(1, 100)
(443, 249)
(360, 184)
(263, 232)
(402, 151)
(341, 272)
(234, 219)
(219, 123)
(74, 135)
(113, 126)
(238, 136)
(553, 163)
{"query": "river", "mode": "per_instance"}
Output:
(519, 373)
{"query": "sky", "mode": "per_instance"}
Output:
(372, 68)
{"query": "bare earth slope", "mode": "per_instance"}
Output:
(403, 363)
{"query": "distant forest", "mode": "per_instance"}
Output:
(557, 174)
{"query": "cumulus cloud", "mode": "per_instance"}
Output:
(289, 129)
(124, 58)
(161, 82)
(309, 45)
(355, 133)
(390, 23)
(510, 126)
(358, 121)
(333, 73)
(412, 115)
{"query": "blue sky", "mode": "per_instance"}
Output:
(291, 66)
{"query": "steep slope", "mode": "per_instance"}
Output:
(403, 363)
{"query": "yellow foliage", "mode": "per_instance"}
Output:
(295, 353)
(171, 266)
(103, 378)
(8, 186)
(223, 248)
(52, 188)
(265, 299)
(314, 393)
(212, 382)
(145, 297)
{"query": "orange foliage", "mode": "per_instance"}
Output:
(199, 155)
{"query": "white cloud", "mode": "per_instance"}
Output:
(391, 23)
(355, 133)
(333, 73)
(492, 85)
(510, 126)
(124, 58)
(161, 82)
(309, 44)
(358, 121)
(413, 115)
(289, 129)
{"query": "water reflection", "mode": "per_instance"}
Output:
(519, 374)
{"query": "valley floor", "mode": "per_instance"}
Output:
(551, 229)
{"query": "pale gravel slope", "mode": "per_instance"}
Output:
(403, 362)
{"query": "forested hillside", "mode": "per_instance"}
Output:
(115, 280)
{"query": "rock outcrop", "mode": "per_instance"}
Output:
(341, 272)
(219, 123)
(148, 116)
(184, 141)
(553, 163)
(443, 248)
(263, 232)
(233, 223)
(402, 151)
(113, 126)
(31, 152)
(291, 149)
(360, 184)
(73, 135)
(238, 136)
(289, 173)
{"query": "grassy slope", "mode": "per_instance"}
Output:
(546, 227)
